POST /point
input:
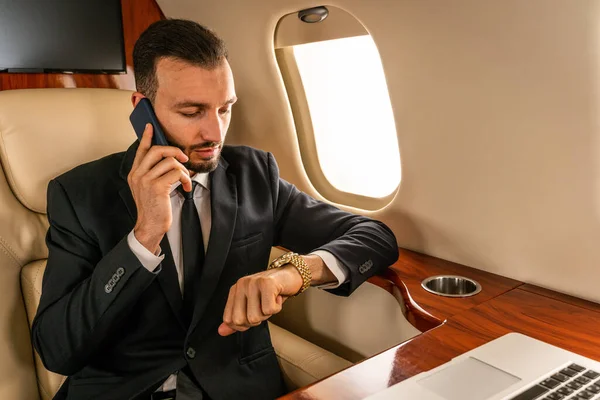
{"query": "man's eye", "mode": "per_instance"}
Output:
(225, 111)
(189, 115)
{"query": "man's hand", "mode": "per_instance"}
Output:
(154, 170)
(257, 297)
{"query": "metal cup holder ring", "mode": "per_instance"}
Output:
(451, 286)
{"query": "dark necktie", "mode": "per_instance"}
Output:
(193, 260)
(193, 249)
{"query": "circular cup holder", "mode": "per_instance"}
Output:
(451, 286)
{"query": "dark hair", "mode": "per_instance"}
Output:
(178, 38)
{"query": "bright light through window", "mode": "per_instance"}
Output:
(352, 117)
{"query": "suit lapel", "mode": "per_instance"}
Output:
(167, 278)
(223, 197)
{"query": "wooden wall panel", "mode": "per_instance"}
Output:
(137, 16)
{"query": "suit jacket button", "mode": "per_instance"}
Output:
(108, 288)
(191, 353)
(120, 272)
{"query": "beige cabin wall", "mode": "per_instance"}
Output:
(497, 112)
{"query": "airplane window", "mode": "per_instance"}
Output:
(351, 114)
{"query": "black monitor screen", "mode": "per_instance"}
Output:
(61, 35)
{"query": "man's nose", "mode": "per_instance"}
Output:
(213, 128)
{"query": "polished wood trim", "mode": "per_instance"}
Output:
(425, 310)
(562, 297)
(570, 326)
(412, 268)
(415, 314)
(137, 16)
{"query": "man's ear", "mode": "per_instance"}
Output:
(136, 97)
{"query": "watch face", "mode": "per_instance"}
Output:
(285, 259)
(282, 260)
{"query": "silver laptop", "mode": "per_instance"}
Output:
(512, 367)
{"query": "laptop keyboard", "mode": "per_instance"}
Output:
(571, 383)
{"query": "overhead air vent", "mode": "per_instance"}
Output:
(313, 15)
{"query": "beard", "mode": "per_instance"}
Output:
(204, 166)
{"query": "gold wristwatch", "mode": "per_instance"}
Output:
(299, 263)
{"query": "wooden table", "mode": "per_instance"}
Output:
(460, 325)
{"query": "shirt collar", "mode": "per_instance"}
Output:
(202, 179)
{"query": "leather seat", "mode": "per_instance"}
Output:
(43, 133)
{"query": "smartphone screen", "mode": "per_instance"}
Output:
(143, 114)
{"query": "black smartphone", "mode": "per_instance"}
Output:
(143, 114)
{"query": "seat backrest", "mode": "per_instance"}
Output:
(43, 133)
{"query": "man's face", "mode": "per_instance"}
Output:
(193, 105)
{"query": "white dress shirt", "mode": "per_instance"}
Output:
(202, 201)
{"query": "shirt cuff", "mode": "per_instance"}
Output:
(149, 261)
(339, 270)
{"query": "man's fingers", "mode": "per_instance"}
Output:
(225, 330)
(269, 293)
(269, 303)
(173, 176)
(254, 310)
(227, 314)
(164, 166)
(144, 146)
(186, 182)
(155, 154)
(240, 304)
(229, 326)
(251, 301)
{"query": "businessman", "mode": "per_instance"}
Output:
(157, 284)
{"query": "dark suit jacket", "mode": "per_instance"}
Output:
(122, 339)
